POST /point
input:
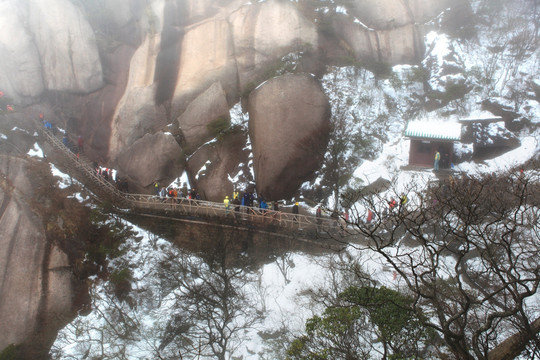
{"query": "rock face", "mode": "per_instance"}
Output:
(67, 46)
(203, 60)
(390, 31)
(216, 164)
(20, 75)
(117, 71)
(36, 284)
(153, 157)
(265, 33)
(208, 108)
(390, 14)
(135, 113)
(288, 126)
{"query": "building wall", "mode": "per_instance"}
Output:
(422, 153)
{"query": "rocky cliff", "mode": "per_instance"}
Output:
(39, 291)
(146, 83)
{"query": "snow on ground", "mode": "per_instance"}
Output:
(36, 151)
(530, 146)
(65, 180)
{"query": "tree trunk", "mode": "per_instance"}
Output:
(515, 344)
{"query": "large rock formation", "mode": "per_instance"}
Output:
(390, 31)
(67, 46)
(20, 67)
(135, 113)
(390, 14)
(288, 126)
(119, 70)
(207, 109)
(203, 59)
(36, 282)
(153, 157)
(219, 165)
(263, 34)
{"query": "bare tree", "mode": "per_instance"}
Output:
(467, 252)
(210, 291)
(351, 133)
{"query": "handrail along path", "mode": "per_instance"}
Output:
(182, 207)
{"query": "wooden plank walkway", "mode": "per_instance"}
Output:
(201, 209)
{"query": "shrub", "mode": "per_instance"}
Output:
(121, 282)
(11, 352)
(219, 125)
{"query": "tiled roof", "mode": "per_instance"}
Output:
(436, 130)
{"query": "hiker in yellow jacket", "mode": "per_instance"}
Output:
(226, 203)
(437, 158)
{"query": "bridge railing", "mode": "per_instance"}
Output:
(185, 206)
(238, 212)
(84, 166)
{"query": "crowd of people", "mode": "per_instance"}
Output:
(249, 200)
(111, 176)
(175, 194)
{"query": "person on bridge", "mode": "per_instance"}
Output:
(295, 212)
(226, 203)
(163, 193)
(236, 202)
(392, 204)
(263, 205)
(245, 199)
(156, 187)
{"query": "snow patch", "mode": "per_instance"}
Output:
(36, 151)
